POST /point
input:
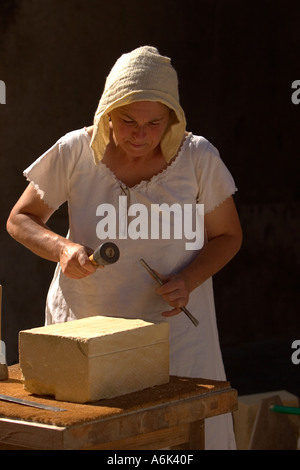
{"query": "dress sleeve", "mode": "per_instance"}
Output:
(50, 174)
(215, 181)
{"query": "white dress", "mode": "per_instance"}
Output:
(67, 172)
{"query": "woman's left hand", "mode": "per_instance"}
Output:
(175, 292)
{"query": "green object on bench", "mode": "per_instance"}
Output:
(285, 409)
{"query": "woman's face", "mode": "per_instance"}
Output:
(139, 127)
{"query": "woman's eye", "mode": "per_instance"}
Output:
(127, 122)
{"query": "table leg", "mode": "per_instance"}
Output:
(196, 438)
(197, 435)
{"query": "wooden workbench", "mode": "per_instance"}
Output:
(169, 415)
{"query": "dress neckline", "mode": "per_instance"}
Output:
(156, 177)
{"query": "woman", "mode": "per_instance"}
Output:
(137, 154)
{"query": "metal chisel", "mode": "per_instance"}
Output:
(21, 401)
(157, 278)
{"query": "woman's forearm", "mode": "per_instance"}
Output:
(27, 224)
(224, 235)
(36, 236)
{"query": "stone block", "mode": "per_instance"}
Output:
(94, 358)
(248, 406)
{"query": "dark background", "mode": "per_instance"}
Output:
(236, 62)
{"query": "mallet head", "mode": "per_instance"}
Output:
(107, 253)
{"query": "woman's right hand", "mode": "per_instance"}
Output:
(74, 261)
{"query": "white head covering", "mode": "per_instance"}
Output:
(140, 75)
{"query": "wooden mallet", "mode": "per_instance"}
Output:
(3, 365)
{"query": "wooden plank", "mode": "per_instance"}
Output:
(24, 435)
(160, 439)
(139, 423)
(166, 416)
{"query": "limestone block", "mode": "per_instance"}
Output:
(94, 358)
(248, 406)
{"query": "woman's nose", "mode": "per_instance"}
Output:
(139, 132)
